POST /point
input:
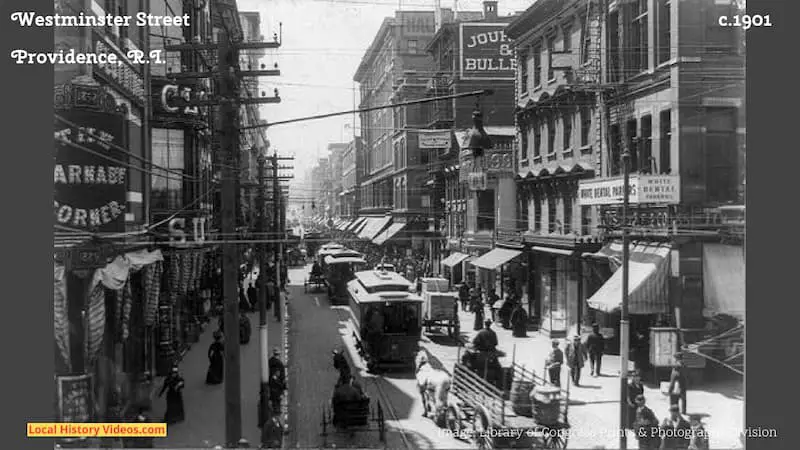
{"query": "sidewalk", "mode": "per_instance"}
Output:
(204, 426)
(594, 406)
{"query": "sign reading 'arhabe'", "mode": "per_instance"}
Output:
(486, 52)
(89, 176)
(658, 189)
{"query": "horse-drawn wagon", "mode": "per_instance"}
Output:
(439, 306)
(529, 414)
(350, 410)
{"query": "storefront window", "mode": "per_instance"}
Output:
(553, 294)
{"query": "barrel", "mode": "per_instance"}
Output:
(546, 401)
(521, 397)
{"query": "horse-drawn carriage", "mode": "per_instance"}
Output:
(439, 306)
(526, 412)
(350, 410)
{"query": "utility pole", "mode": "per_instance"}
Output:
(230, 255)
(262, 298)
(624, 329)
(229, 100)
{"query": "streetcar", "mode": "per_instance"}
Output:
(326, 250)
(385, 319)
(338, 271)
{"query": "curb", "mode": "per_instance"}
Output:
(285, 403)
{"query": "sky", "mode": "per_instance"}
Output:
(322, 45)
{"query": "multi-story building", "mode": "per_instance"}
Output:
(558, 121)
(591, 90)
(396, 48)
(351, 179)
(471, 52)
(336, 158)
(321, 186)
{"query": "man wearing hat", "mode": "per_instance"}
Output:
(645, 425)
(553, 364)
(699, 437)
(276, 366)
(576, 356)
(677, 384)
(676, 430)
(486, 339)
(595, 344)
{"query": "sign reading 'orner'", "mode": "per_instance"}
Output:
(662, 189)
(486, 52)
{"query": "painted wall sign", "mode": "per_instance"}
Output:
(435, 139)
(658, 189)
(179, 235)
(90, 182)
(75, 398)
(486, 52)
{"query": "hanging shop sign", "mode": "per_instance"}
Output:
(90, 173)
(486, 52)
(75, 398)
(170, 99)
(477, 181)
(435, 139)
(123, 76)
(181, 236)
(657, 189)
(663, 219)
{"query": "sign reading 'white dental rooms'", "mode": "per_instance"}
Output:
(89, 174)
(655, 189)
(486, 52)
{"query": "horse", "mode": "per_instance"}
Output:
(434, 386)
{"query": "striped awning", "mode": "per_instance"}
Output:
(355, 224)
(647, 279)
(375, 226)
(360, 227)
(388, 233)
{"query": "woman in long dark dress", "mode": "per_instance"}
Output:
(173, 386)
(216, 360)
(519, 321)
(477, 308)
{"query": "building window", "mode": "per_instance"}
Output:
(523, 142)
(568, 204)
(485, 210)
(537, 139)
(638, 40)
(721, 39)
(615, 49)
(586, 220)
(567, 136)
(586, 44)
(567, 38)
(551, 135)
(616, 151)
(586, 124)
(721, 155)
(523, 77)
(645, 145)
(412, 47)
(537, 214)
(537, 66)
(168, 153)
(664, 25)
(551, 47)
(551, 214)
(665, 147)
(633, 145)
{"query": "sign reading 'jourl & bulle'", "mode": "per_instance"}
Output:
(659, 189)
(89, 176)
(486, 52)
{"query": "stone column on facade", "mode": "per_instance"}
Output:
(506, 198)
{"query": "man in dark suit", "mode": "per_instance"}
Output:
(676, 431)
(677, 384)
(595, 344)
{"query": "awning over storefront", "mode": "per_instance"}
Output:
(647, 280)
(375, 226)
(388, 233)
(356, 223)
(343, 226)
(553, 251)
(723, 280)
(360, 227)
(495, 258)
(454, 259)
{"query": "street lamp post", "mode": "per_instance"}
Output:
(624, 329)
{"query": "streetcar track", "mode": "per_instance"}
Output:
(377, 382)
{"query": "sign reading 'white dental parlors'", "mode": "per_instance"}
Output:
(89, 175)
(486, 52)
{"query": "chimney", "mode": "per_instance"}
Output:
(490, 9)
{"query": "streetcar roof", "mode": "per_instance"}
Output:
(373, 278)
(343, 252)
(381, 297)
(347, 259)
